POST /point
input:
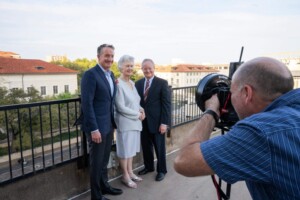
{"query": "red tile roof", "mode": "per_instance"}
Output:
(186, 68)
(30, 66)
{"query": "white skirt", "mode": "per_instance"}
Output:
(128, 143)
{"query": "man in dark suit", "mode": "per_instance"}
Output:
(156, 101)
(97, 99)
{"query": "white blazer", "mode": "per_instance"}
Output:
(127, 107)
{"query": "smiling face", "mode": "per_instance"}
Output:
(148, 69)
(127, 68)
(106, 57)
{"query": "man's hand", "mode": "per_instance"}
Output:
(163, 129)
(96, 137)
(213, 104)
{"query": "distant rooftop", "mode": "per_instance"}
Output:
(186, 68)
(30, 66)
(7, 54)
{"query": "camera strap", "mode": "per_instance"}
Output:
(221, 194)
(224, 109)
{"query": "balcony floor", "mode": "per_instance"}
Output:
(174, 186)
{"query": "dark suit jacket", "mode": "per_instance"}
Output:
(158, 103)
(96, 101)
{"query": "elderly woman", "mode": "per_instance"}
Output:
(128, 117)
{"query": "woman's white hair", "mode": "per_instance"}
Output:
(123, 59)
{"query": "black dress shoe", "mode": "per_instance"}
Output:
(145, 171)
(112, 191)
(160, 176)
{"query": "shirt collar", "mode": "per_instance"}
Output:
(150, 80)
(106, 72)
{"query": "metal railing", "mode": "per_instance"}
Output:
(36, 137)
(184, 107)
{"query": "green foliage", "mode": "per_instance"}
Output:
(3, 151)
(80, 65)
(33, 95)
(83, 64)
(37, 142)
(3, 94)
(115, 70)
(26, 142)
(65, 95)
(135, 76)
(18, 96)
(3, 136)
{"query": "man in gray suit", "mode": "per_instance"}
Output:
(156, 101)
(97, 99)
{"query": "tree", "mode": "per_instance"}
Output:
(3, 94)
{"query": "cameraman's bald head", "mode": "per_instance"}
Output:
(269, 77)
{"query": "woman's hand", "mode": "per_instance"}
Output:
(142, 115)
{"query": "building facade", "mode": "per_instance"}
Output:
(293, 64)
(184, 75)
(47, 78)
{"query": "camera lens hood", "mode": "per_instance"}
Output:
(209, 85)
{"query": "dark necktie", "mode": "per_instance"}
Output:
(146, 90)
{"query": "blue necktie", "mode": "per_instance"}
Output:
(111, 84)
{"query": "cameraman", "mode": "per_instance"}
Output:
(263, 148)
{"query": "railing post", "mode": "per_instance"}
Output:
(171, 98)
(83, 161)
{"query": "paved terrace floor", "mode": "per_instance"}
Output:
(173, 187)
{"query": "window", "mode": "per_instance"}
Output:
(66, 88)
(55, 89)
(29, 89)
(43, 90)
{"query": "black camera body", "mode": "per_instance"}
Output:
(220, 85)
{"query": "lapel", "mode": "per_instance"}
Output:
(115, 85)
(140, 87)
(103, 77)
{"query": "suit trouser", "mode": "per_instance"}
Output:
(156, 141)
(99, 157)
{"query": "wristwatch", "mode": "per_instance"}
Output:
(213, 113)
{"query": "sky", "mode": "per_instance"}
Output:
(168, 31)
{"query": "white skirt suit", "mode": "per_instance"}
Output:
(127, 112)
